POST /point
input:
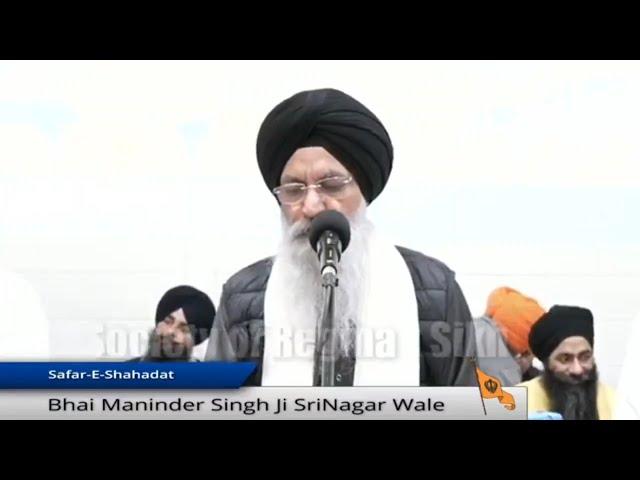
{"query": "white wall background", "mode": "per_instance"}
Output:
(119, 180)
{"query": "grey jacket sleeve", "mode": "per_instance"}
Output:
(462, 371)
(493, 355)
(235, 336)
(452, 346)
(221, 346)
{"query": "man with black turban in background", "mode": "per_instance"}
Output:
(401, 316)
(184, 316)
(563, 339)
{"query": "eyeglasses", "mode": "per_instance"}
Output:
(292, 193)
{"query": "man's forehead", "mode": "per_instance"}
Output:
(312, 162)
(573, 345)
(178, 316)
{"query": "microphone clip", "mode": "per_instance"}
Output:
(329, 254)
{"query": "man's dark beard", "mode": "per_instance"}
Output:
(163, 349)
(573, 402)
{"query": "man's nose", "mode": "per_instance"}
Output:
(576, 368)
(171, 332)
(312, 203)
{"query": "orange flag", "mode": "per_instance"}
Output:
(490, 387)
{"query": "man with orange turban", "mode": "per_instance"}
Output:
(502, 336)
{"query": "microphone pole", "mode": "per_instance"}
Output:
(326, 336)
(329, 236)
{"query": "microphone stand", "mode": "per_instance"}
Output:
(326, 348)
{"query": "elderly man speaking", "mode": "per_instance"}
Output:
(402, 318)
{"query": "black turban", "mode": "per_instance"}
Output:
(198, 309)
(331, 119)
(559, 323)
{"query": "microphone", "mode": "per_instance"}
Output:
(329, 235)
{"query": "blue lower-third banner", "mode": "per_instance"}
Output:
(123, 375)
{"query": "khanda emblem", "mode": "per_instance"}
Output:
(491, 385)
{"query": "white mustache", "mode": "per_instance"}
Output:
(299, 229)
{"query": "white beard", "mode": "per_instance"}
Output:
(302, 272)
